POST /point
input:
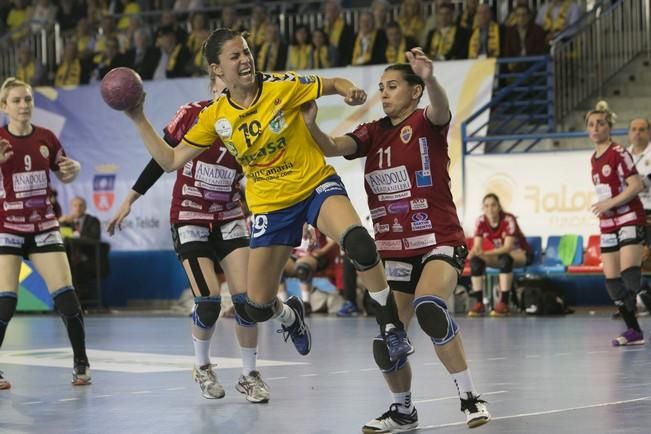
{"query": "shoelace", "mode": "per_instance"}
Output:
(471, 404)
(292, 329)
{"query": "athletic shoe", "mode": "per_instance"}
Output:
(629, 337)
(298, 331)
(477, 309)
(347, 310)
(253, 387)
(392, 421)
(398, 344)
(500, 309)
(81, 374)
(207, 379)
(4, 384)
(475, 410)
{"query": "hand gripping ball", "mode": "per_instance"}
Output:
(121, 88)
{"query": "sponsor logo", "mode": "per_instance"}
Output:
(191, 204)
(389, 244)
(419, 241)
(396, 226)
(418, 204)
(26, 181)
(606, 170)
(380, 229)
(405, 134)
(216, 197)
(329, 186)
(215, 207)
(8, 206)
(232, 149)
(267, 150)
(306, 79)
(21, 228)
(223, 128)
(277, 123)
(15, 219)
(103, 194)
(48, 225)
(390, 180)
(187, 169)
(45, 151)
(192, 215)
(235, 212)
(395, 196)
(424, 177)
(260, 224)
(214, 175)
(11, 240)
(401, 207)
(420, 222)
(191, 233)
(235, 229)
(398, 271)
(188, 190)
(376, 213)
(48, 239)
(35, 203)
(35, 217)
(31, 194)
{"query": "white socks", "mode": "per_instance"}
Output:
(286, 315)
(201, 352)
(464, 383)
(249, 356)
(381, 296)
(403, 399)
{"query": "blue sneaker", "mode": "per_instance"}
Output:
(398, 344)
(299, 331)
(347, 310)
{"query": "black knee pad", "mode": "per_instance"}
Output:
(360, 248)
(619, 294)
(8, 302)
(505, 263)
(435, 319)
(477, 266)
(381, 356)
(632, 278)
(206, 311)
(260, 312)
(66, 302)
(304, 272)
(242, 318)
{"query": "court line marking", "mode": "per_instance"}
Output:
(544, 412)
(309, 375)
(445, 398)
(141, 392)
(175, 388)
(32, 402)
(68, 399)
(276, 378)
(496, 358)
(339, 372)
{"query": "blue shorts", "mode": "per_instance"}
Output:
(285, 227)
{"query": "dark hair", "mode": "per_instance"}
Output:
(307, 33)
(494, 197)
(212, 48)
(523, 6)
(393, 24)
(447, 6)
(408, 75)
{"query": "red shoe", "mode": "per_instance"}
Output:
(500, 309)
(477, 309)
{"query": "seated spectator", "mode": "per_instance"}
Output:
(557, 15)
(95, 11)
(135, 23)
(411, 19)
(524, 39)
(71, 71)
(69, 13)
(447, 41)
(85, 39)
(230, 19)
(109, 31)
(143, 57)
(258, 27)
(369, 46)
(300, 51)
(175, 59)
(272, 54)
(510, 250)
(485, 39)
(28, 68)
(17, 19)
(169, 19)
(324, 55)
(468, 17)
(187, 5)
(130, 8)
(339, 32)
(381, 13)
(511, 19)
(108, 59)
(397, 44)
(43, 15)
(83, 225)
(195, 42)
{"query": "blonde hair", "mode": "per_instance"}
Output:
(11, 83)
(601, 108)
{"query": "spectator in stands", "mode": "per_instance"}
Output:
(43, 15)
(468, 17)
(28, 68)
(557, 15)
(71, 71)
(169, 19)
(175, 59)
(397, 44)
(526, 38)
(258, 28)
(411, 19)
(621, 219)
(509, 250)
(381, 10)
(187, 5)
(83, 225)
(96, 10)
(324, 55)
(195, 41)
(369, 45)
(129, 9)
(69, 13)
(85, 39)
(485, 39)
(143, 57)
(511, 19)
(230, 19)
(5, 7)
(109, 58)
(447, 41)
(272, 55)
(17, 18)
(300, 51)
(109, 31)
(339, 32)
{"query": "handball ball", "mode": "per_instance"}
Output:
(122, 88)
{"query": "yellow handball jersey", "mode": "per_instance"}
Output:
(282, 162)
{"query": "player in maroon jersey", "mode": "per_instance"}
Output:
(209, 232)
(417, 230)
(510, 250)
(28, 224)
(621, 219)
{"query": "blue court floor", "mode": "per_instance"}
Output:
(539, 375)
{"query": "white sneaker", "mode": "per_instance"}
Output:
(81, 375)
(253, 387)
(475, 410)
(207, 379)
(392, 421)
(4, 384)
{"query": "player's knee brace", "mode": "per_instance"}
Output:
(435, 319)
(206, 311)
(619, 294)
(477, 266)
(632, 278)
(360, 248)
(382, 359)
(8, 302)
(505, 263)
(241, 317)
(260, 312)
(66, 302)
(304, 272)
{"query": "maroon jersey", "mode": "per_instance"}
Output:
(609, 173)
(507, 226)
(408, 185)
(206, 188)
(25, 182)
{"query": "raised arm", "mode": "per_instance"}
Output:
(331, 146)
(346, 88)
(438, 111)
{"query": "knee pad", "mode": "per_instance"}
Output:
(206, 311)
(66, 302)
(304, 272)
(505, 262)
(360, 248)
(477, 266)
(619, 294)
(8, 302)
(382, 359)
(435, 319)
(260, 312)
(632, 278)
(241, 317)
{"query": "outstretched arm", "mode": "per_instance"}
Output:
(331, 146)
(438, 111)
(346, 88)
